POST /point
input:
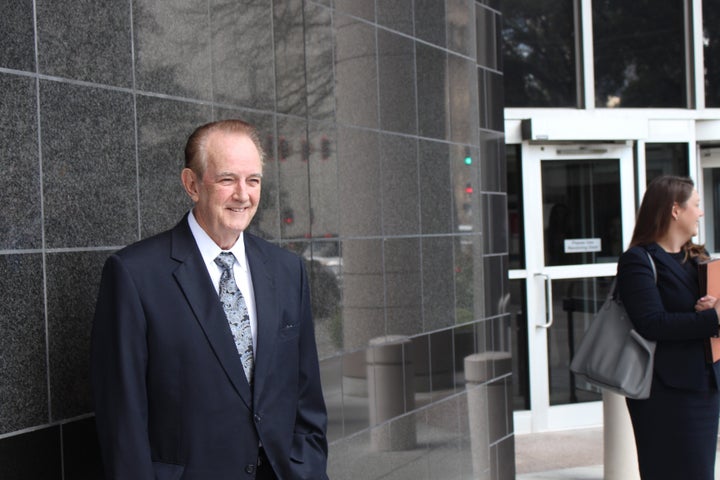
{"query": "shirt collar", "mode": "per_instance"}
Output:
(210, 250)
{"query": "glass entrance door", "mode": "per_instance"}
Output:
(578, 213)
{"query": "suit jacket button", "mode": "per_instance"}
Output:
(250, 469)
(257, 418)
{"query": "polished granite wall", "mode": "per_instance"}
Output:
(384, 119)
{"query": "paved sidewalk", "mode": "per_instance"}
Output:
(569, 454)
(565, 455)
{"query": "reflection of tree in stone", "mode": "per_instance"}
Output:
(303, 58)
(226, 55)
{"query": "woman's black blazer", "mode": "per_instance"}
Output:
(665, 312)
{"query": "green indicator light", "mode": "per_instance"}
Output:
(468, 160)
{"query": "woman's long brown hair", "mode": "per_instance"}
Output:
(655, 214)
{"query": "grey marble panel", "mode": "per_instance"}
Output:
(319, 62)
(358, 173)
(400, 185)
(467, 283)
(89, 167)
(500, 342)
(348, 460)
(464, 113)
(356, 404)
(464, 343)
(396, 72)
(421, 358)
(293, 172)
(396, 15)
(436, 197)
(324, 190)
(438, 297)
(72, 286)
(17, 36)
(403, 286)
(35, 454)
(172, 47)
(443, 420)
(442, 378)
(20, 224)
(85, 40)
(432, 91)
(355, 73)
(488, 38)
(465, 167)
(498, 413)
(461, 26)
(242, 53)
(289, 41)
(358, 8)
(492, 160)
(495, 102)
(430, 23)
(495, 223)
(495, 283)
(22, 343)
(331, 378)
(324, 265)
(163, 128)
(503, 457)
(491, 100)
(363, 292)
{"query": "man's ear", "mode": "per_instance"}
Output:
(190, 183)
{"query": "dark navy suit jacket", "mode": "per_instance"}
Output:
(665, 312)
(171, 397)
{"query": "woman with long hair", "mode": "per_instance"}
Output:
(676, 428)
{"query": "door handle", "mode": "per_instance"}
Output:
(548, 301)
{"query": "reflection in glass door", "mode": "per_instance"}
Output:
(578, 210)
(581, 211)
(710, 190)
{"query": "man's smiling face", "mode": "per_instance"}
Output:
(227, 196)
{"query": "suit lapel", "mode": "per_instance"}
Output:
(195, 283)
(266, 306)
(662, 257)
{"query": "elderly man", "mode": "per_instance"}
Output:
(204, 364)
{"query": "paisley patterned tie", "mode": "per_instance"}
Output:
(236, 312)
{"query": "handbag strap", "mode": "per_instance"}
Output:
(613, 287)
(652, 264)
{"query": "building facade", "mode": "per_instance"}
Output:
(384, 123)
(601, 97)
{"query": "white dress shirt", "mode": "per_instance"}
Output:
(241, 269)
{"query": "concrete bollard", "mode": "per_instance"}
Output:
(391, 393)
(619, 454)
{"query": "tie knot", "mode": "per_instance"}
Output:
(225, 260)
